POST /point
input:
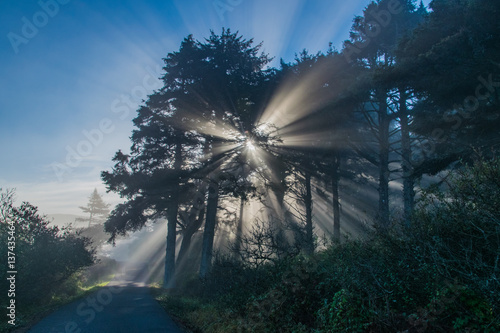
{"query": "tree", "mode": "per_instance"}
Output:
(182, 139)
(309, 138)
(97, 209)
(150, 179)
(46, 256)
(374, 41)
(452, 62)
(229, 77)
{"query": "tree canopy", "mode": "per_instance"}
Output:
(339, 128)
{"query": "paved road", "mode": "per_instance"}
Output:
(120, 307)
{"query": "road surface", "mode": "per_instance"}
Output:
(121, 307)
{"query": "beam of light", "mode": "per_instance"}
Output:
(268, 16)
(224, 147)
(329, 22)
(140, 253)
(296, 99)
(250, 145)
(267, 159)
(206, 126)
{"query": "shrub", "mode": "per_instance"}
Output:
(439, 274)
(460, 231)
(45, 256)
(344, 313)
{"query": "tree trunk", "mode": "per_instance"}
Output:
(279, 187)
(308, 204)
(239, 228)
(335, 196)
(208, 235)
(90, 218)
(383, 190)
(172, 211)
(168, 281)
(408, 178)
(194, 225)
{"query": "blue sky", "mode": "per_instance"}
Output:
(72, 76)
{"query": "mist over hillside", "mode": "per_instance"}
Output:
(62, 220)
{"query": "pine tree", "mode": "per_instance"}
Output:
(452, 62)
(205, 104)
(373, 47)
(97, 209)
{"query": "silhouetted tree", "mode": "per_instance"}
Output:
(328, 124)
(150, 178)
(183, 133)
(452, 62)
(372, 46)
(231, 71)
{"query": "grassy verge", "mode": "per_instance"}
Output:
(195, 315)
(28, 316)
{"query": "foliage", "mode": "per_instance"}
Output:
(437, 275)
(367, 103)
(46, 256)
(451, 61)
(97, 209)
(212, 89)
(103, 270)
(436, 271)
(460, 229)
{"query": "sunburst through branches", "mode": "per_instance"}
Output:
(228, 142)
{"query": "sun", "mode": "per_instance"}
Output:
(250, 145)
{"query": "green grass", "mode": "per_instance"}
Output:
(28, 316)
(194, 315)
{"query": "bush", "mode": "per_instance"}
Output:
(454, 308)
(437, 275)
(45, 256)
(344, 313)
(460, 231)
